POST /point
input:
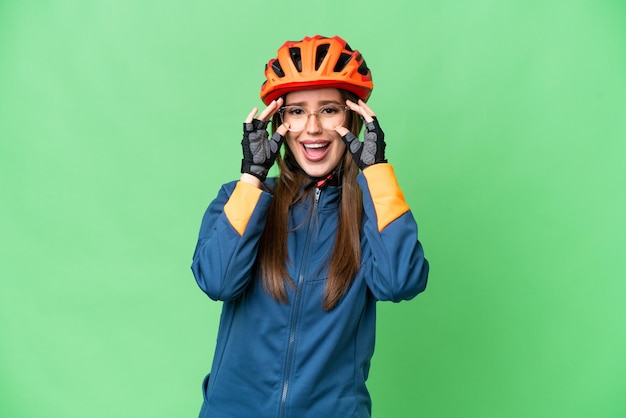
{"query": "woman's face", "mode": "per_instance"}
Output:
(316, 149)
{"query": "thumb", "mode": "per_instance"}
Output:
(341, 130)
(275, 143)
(282, 129)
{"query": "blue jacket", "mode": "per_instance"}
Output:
(297, 360)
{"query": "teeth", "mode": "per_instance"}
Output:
(314, 145)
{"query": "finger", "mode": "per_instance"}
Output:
(282, 129)
(267, 111)
(271, 108)
(251, 115)
(341, 130)
(366, 108)
(360, 110)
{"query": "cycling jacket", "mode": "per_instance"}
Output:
(294, 359)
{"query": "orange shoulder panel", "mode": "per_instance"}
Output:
(241, 204)
(388, 199)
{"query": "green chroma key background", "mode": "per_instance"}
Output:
(119, 120)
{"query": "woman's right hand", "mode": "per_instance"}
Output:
(259, 153)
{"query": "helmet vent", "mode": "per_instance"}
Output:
(343, 60)
(320, 54)
(278, 69)
(363, 70)
(296, 58)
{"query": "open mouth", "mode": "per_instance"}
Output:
(315, 151)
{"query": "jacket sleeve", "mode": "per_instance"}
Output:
(228, 240)
(393, 258)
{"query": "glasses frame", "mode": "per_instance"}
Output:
(282, 110)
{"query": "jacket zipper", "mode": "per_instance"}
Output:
(295, 313)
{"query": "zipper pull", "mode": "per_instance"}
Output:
(318, 192)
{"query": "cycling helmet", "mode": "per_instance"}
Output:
(313, 63)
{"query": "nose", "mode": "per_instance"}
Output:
(312, 124)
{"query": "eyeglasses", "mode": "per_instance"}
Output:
(329, 116)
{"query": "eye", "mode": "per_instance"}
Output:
(294, 110)
(329, 110)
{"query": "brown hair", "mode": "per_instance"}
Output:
(346, 255)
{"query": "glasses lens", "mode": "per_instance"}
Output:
(295, 116)
(331, 116)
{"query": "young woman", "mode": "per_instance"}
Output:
(301, 260)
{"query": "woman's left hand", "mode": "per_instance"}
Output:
(372, 150)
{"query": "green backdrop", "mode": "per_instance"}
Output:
(119, 120)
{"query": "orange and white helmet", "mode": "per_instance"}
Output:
(314, 63)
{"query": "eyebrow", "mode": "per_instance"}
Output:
(320, 103)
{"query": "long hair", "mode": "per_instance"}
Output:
(346, 255)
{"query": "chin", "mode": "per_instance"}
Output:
(317, 171)
(320, 168)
